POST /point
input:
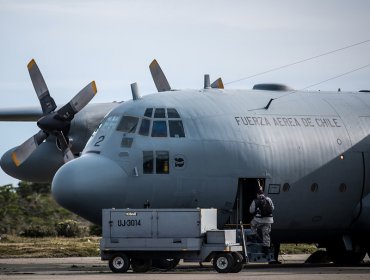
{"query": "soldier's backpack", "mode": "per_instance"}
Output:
(264, 206)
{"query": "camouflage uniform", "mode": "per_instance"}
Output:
(261, 224)
(262, 230)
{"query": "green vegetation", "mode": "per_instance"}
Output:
(32, 225)
(30, 211)
(286, 249)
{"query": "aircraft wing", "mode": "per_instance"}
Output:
(23, 114)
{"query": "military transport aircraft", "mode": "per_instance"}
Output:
(209, 147)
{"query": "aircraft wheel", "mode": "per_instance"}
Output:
(119, 263)
(223, 262)
(319, 256)
(141, 265)
(340, 256)
(165, 263)
(238, 262)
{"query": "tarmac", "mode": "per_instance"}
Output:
(292, 267)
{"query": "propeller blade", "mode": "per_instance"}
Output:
(159, 78)
(22, 152)
(218, 84)
(47, 102)
(67, 154)
(81, 99)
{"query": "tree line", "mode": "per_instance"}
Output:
(30, 210)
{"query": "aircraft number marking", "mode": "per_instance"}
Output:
(100, 139)
(129, 223)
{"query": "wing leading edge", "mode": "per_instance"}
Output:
(24, 114)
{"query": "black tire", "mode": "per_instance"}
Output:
(119, 263)
(318, 257)
(340, 256)
(165, 263)
(223, 262)
(141, 265)
(238, 262)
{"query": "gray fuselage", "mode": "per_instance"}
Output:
(310, 148)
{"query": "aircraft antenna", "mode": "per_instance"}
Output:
(207, 82)
(135, 91)
(298, 62)
(268, 104)
(310, 86)
(338, 76)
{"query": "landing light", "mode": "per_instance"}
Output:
(341, 157)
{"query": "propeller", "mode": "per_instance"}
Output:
(218, 84)
(52, 122)
(159, 78)
(161, 81)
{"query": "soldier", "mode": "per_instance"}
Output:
(262, 208)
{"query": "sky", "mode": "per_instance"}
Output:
(113, 43)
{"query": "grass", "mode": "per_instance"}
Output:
(48, 247)
(58, 247)
(287, 249)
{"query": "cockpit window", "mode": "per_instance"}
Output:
(172, 113)
(159, 129)
(109, 123)
(160, 113)
(148, 112)
(163, 118)
(144, 128)
(176, 129)
(128, 124)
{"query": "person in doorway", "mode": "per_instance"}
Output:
(262, 208)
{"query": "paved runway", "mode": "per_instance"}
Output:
(93, 268)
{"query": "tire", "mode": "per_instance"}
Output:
(119, 263)
(141, 265)
(340, 256)
(165, 263)
(318, 257)
(223, 262)
(238, 262)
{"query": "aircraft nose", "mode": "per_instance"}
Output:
(88, 184)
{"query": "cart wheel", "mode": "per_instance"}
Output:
(165, 263)
(238, 262)
(223, 262)
(141, 265)
(119, 263)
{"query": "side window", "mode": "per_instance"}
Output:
(162, 162)
(159, 129)
(128, 124)
(159, 113)
(148, 162)
(176, 129)
(144, 128)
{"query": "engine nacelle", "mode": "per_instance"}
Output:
(39, 167)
